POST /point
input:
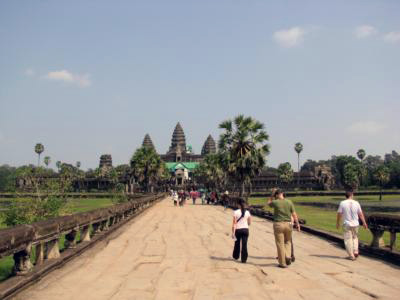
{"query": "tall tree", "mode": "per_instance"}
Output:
(244, 144)
(351, 175)
(146, 165)
(58, 165)
(382, 175)
(298, 147)
(340, 163)
(285, 172)
(361, 154)
(39, 148)
(47, 161)
(211, 171)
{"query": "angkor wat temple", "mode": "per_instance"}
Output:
(181, 161)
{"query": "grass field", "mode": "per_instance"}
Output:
(325, 219)
(74, 206)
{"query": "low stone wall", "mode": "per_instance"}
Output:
(44, 237)
(378, 224)
(68, 195)
(267, 194)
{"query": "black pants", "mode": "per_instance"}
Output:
(241, 236)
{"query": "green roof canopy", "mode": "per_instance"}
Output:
(172, 166)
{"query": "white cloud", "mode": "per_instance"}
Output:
(366, 127)
(365, 31)
(81, 80)
(289, 37)
(392, 37)
(29, 72)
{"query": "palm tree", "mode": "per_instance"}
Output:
(58, 165)
(361, 154)
(211, 171)
(39, 148)
(146, 165)
(78, 164)
(47, 161)
(244, 144)
(285, 172)
(382, 174)
(298, 147)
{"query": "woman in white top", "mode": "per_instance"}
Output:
(240, 231)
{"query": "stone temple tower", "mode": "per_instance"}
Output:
(105, 161)
(209, 146)
(178, 141)
(147, 142)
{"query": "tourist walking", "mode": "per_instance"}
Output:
(284, 215)
(225, 199)
(240, 231)
(181, 195)
(349, 213)
(193, 195)
(203, 196)
(175, 197)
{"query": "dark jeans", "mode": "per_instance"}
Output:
(241, 236)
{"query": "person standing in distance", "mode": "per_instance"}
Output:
(240, 231)
(350, 211)
(284, 212)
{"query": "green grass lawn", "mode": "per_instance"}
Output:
(324, 219)
(74, 206)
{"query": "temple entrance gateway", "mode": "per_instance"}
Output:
(180, 159)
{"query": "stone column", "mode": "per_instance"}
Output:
(104, 225)
(96, 228)
(39, 254)
(85, 234)
(22, 261)
(70, 241)
(52, 250)
(377, 238)
(392, 239)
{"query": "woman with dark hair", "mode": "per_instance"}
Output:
(240, 230)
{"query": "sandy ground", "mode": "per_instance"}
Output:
(185, 253)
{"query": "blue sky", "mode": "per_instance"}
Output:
(92, 77)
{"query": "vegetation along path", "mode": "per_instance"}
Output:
(185, 253)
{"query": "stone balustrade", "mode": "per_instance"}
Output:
(378, 224)
(44, 236)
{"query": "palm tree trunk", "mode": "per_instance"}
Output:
(243, 189)
(380, 193)
(298, 170)
(38, 162)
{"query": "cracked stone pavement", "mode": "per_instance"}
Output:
(185, 253)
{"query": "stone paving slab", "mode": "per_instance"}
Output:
(184, 253)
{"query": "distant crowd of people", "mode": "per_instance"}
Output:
(285, 219)
(206, 197)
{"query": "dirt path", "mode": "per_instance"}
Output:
(184, 253)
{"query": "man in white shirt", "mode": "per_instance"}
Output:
(350, 211)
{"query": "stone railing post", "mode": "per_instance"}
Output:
(70, 239)
(39, 254)
(104, 225)
(52, 250)
(392, 239)
(377, 238)
(85, 234)
(22, 261)
(96, 228)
